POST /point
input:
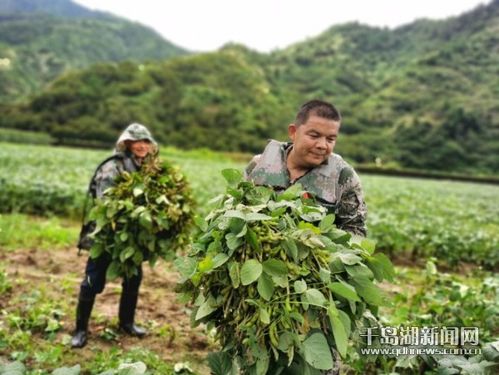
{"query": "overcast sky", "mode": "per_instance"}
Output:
(264, 25)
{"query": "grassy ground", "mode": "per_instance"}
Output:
(40, 272)
(409, 218)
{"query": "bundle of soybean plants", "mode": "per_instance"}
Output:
(278, 281)
(146, 215)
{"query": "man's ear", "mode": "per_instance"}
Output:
(292, 128)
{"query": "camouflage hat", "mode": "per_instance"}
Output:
(134, 132)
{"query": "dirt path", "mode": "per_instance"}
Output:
(58, 273)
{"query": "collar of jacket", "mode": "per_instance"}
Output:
(271, 170)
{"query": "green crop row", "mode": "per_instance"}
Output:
(410, 218)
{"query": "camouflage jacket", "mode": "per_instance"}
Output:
(106, 173)
(334, 184)
(104, 177)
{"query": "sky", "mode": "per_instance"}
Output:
(266, 25)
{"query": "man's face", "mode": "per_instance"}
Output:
(139, 148)
(314, 140)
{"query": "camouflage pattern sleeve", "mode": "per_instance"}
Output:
(105, 176)
(249, 168)
(351, 210)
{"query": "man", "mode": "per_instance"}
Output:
(134, 144)
(310, 161)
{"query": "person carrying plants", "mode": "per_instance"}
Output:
(309, 160)
(133, 145)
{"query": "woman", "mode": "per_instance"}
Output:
(134, 144)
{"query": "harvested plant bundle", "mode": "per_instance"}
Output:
(279, 282)
(146, 215)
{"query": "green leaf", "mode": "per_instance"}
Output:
(186, 266)
(344, 290)
(206, 264)
(368, 245)
(252, 239)
(138, 191)
(262, 362)
(255, 216)
(367, 290)
(315, 297)
(300, 286)
(234, 274)
(339, 332)
(275, 267)
(138, 258)
(490, 351)
(291, 249)
(250, 271)
(243, 231)
(201, 223)
(75, 370)
(232, 176)
(265, 287)
(290, 193)
(127, 253)
(327, 223)
(264, 316)
(286, 339)
(145, 220)
(235, 214)
(205, 309)
(220, 363)
(96, 250)
(325, 275)
(359, 271)
(113, 271)
(345, 319)
(233, 242)
(381, 266)
(281, 281)
(136, 368)
(14, 368)
(316, 352)
(348, 258)
(219, 259)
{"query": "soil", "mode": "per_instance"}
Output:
(59, 273)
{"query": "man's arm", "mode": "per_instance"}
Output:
(351, 211)
(105, 177)
(252, 164)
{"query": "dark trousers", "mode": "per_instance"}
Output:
(95, 278)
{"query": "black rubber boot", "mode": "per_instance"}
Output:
(128, 303)
(83, 311)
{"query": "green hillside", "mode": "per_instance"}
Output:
(39, 40)
(215, 100)
(64, 8)
(422, 96)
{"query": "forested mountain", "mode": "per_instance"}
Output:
(62, 8)
(424, 95)
(41, 39)
(214, 100)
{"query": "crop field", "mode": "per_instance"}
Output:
(409, 218)
(443, 237)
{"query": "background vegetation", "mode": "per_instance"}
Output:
(421, 96)
(41, 40)
(412, 220)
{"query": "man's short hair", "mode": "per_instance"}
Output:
(318, 108)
